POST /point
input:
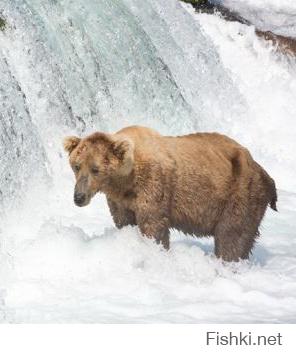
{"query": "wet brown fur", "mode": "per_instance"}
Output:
(201, 184)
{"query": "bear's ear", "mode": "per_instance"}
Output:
(123, 149)
(70, 143)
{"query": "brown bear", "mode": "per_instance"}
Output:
(203, 184)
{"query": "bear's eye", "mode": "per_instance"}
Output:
(76, 168)
(94, 170)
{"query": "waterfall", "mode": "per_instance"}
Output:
(82, 65)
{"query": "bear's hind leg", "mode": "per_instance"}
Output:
(233, 246)
(236, 233)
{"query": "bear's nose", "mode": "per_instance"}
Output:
(79, 198)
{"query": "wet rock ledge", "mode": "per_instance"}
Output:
(285, 45)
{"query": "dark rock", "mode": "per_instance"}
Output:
(2, 24)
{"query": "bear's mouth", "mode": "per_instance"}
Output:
(81, 199)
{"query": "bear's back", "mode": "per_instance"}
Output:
(136, 132)
(197, 148)
(142, 136)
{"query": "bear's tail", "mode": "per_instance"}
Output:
(273, 194)
(240, 168)
(271, 188)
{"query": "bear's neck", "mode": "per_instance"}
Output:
(118, 187)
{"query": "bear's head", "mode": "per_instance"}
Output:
(98, 161)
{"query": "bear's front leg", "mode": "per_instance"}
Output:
(121, 216)
(152, 225)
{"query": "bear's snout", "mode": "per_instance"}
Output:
(82, 194)
(79, 199)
